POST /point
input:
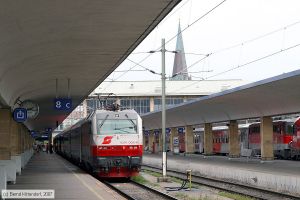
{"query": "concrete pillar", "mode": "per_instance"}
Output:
(208, 142)
(23, 146)
(15, 149)
(5, 146)
(151, 104)
(160, 146)
(234, 141)
(5, 121)
(172, 134)
(185, 99)
(189, 140)
(13, 138)
(151, 141)
(144, 139)
(266, 135)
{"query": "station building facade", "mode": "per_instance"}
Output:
(145, 96)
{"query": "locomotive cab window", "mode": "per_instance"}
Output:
(120, 126)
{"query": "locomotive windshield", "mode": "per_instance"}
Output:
(120, 126)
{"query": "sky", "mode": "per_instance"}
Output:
(256, 29)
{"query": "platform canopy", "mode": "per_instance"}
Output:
(273, 96)
(83, 41)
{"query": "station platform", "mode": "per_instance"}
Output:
(50, 171)
(277, 175)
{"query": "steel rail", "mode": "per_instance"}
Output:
(238, 188)
(141, 188)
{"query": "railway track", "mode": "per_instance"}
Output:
(135, 191)
(257, 193)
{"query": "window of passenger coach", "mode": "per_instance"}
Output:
(121, 126)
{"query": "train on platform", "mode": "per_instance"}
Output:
(286, 139)
(108, 143)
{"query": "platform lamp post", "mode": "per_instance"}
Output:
(163, 107)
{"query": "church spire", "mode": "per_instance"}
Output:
(179, 68)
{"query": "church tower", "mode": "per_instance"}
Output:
(179, 68)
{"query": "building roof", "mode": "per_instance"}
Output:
(48, 45)
(270, 97)
(173, 88)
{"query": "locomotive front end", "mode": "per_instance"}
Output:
(118, 143)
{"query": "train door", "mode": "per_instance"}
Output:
(295, 144)
(254, 138)
(198, 140)
(244, 138)
(277, 136)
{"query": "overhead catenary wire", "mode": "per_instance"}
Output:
(246, 42)
(240, 66)
(255, 38)
(194, 22)
(190, 25)
(284, 28)
(219, 50)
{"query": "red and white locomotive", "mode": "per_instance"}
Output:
(108, 142)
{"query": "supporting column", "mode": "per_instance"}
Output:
(175, 141)
(151, 104)
(5, 120)
(234, 142)
(4, 146)
(144, 140)
(208, 143)
(189, 140)
(266, 135)
(15, 145)
(172, 133)
(151, 141)
(5, 152)
(160, 142)
(23, 154)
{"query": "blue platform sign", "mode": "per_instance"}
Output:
(33, 133)
(62, 104)
(180, 130)
(168, 130)
(20, 114)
